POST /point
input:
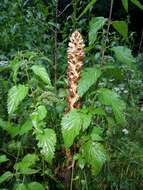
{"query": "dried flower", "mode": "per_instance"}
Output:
(75, 63)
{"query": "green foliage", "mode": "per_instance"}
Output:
(42, 147)
(29, 186)
(6, 176)
(47, 142)
(89, 6)
(123, 55)
(72, 123)
(88, 77)
(109, 98)
(125, 4)
(121, 27)
(25, 166)
(95, 25)
(3, 158)
(42, 73)
(137, 3)
(15, 96)
(94, 154)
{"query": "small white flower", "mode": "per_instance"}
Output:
(125, 131)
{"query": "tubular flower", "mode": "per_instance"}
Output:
(75, 62)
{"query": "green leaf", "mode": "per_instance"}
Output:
(72, 123)
(3, 123)
(24, 167)
(137, 3)
(95, 25)
(3, 158)
(12, 130)
(15, 96)
(123, 55)
(109, 98)
(35, 186)
(96, 134)
(41, 72)
(42, 112)
(27, 126)
(47, 142)
(20, 186)
(37, 116)
(71, 126)
(30, 186)
(89, 6)
(6, 176)
(88, 77)
(113, 71)
(121, 27)
(94, 154)
(125, 4)
(99, 111)
(15, 65)
(86, 120)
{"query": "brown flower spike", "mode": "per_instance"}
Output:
(75, 62)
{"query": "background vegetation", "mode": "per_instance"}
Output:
(105, 134)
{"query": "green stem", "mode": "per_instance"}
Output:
(107, 32)
(74, 4)
(71, 184)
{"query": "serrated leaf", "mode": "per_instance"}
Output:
(41, 72)
(72, 123)
(121, 27)
(88, 77)
(89, 6)
(137, 3)
(15, 96)
(71, 126)
(94, 154)
(125, 4)
(6, 176)
(3, 158)
(47, 142)
(110, 98)
(25, 166)
(95, 25)
(37, 116)
(123, 55)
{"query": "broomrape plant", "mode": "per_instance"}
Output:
(33, 117)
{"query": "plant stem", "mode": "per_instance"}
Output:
(107, 32)
(55, 44)
(110, 16)
(74, 4)
(71, 184)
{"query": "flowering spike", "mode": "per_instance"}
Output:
(75, 62)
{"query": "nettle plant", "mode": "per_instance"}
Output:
(36, 108)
